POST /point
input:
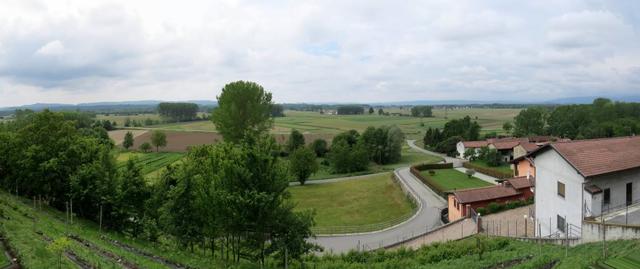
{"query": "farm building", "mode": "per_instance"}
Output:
(584, 179)
(460, 202)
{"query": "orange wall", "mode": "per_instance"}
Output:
(524, 166)
(454, 213)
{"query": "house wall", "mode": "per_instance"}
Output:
(617, 183)
(551, 168)
(460, 148)
(519, 151)
(525, 167)
(454, 213)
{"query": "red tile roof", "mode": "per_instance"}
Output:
(475, 144)
(529, 147)
(484, 194)
(600, 156)
(521, 182)
(505, 144)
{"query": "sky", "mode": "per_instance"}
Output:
(365, 51)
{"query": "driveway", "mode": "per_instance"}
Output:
(456, 162)
(427, 218)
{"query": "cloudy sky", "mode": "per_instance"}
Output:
(317, 51)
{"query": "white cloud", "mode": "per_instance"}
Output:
(314, 51)
(53, 48)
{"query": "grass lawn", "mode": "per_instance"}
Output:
(450, 179)
(371, 200)
(4, 260)
(504, 168)
(152, 163)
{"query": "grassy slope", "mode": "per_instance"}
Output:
(354, 202)
(505, 168)
(451, 179)
(314, 122)
(31, 248)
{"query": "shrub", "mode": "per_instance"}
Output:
(432, 172)
(494, 207)
(470, 172)
(145, 147)
(481, 211)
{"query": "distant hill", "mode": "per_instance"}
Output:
(589, 99)
(107, 107)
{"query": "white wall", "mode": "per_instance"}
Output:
(617, 183)
(551, 168)
(461, 149)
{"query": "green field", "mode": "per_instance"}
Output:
(152, 164)
(374, 199)
(314, 122)
(451, 179)
(504, 168)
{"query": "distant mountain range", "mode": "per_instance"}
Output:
(151, 104)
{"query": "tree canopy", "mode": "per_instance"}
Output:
(178, 111)
(244, 108)
(422, 111)
(350, 110)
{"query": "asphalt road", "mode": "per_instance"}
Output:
(456, 162)
(427, 218)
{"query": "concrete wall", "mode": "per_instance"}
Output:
(551, 168)
(617, 183)
(593, 231)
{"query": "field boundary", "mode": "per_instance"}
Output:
(435, 187)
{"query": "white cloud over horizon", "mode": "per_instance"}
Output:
(75, 51)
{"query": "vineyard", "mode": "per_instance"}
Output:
(151, 164)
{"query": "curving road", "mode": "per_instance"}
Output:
(456, 162)
(427, 218)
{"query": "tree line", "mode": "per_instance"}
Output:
(454, 131)
(422, 111)
(177, 112)
(602, 118)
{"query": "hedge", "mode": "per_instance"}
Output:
(494, 207)
(428, 181)
(487, 171)
(429, 166)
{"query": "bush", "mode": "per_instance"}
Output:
(428, 166)
(482, 211)
(145, 147)
(494, 207)
(470, 172)
(432, 172)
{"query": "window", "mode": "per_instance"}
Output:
(561, 224)
(606, 199)
(560, 189)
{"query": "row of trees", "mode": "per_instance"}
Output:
(602, 118)
(422, 111)
(490, 156)
(351, 152)
(454, 131)
(350, 110)
(177, 112)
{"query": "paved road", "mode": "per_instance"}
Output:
(456, 162)
(427, 218)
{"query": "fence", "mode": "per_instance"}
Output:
(487, 171)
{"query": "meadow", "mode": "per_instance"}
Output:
(362, 202)
(152, 164)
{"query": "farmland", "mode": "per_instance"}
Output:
(451, 179)
(151, 164)
(357, 202)
(413, 127)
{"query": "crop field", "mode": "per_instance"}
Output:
(152, 164)
(413, 127)
(357, 202)
(119, 119)
(451, 179)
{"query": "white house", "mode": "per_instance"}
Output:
(578, 179)
(462, 146)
